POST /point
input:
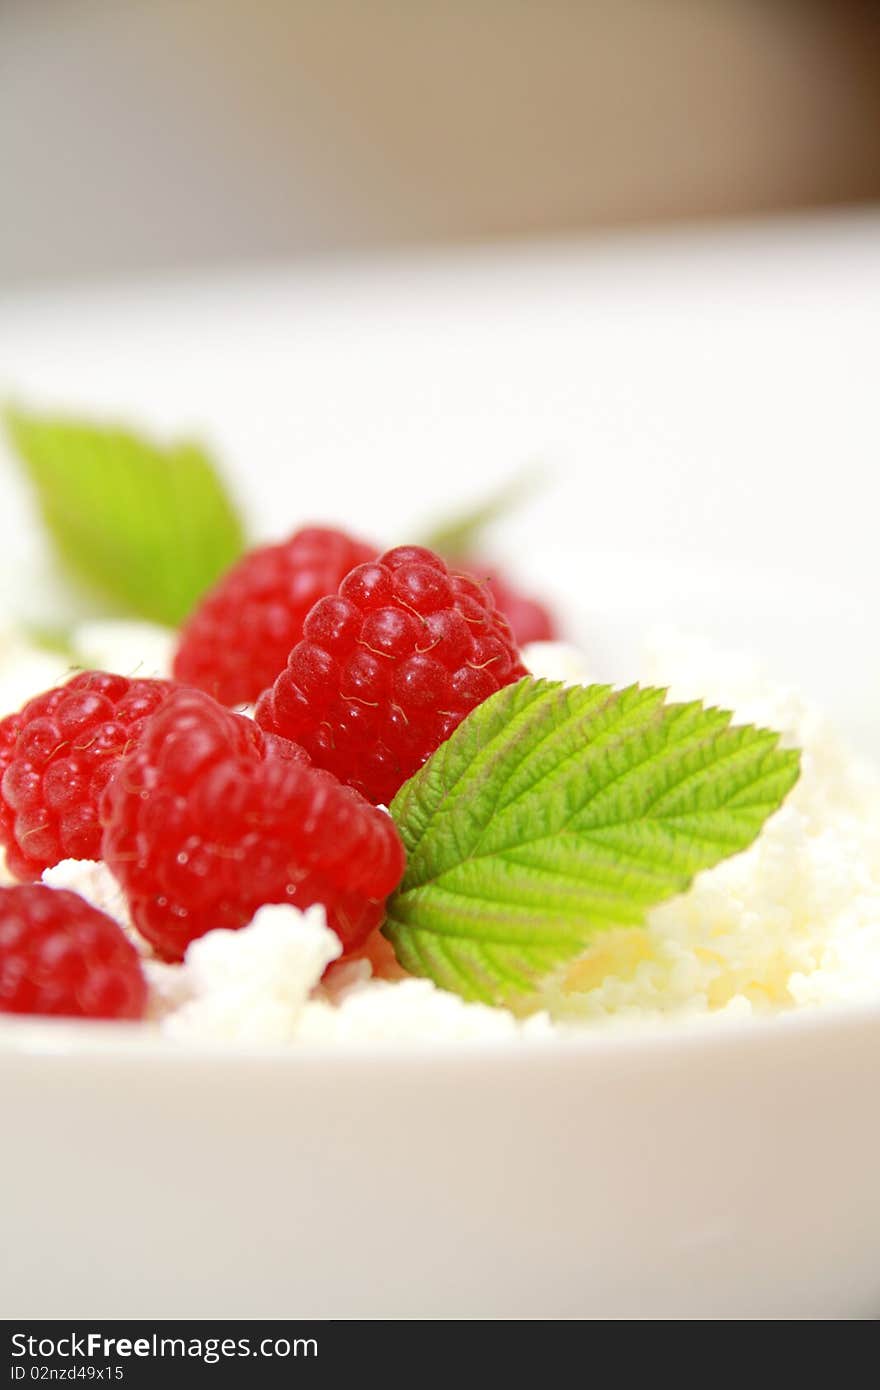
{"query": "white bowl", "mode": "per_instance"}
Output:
(690, 396)
(721, 1172)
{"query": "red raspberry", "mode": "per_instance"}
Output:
(388, 668)
(55, 757)
(239, 637)
(60, 955)
(209, 818)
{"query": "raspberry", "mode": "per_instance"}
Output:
(388, 667)
(55, 757)
(238, 638)
(60, 955)
(209, 818)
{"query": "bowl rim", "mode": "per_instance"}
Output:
(33, 1040)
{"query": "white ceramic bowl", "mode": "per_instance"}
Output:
(719, 1172)
(690, 396)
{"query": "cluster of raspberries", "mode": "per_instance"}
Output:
(359, 667)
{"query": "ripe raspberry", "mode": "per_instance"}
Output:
(55, 757)
(388, 668)
(209, 818)
(239, 637)
(60, 955)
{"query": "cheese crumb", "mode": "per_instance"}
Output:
(557, 661)
(407, 1011)
(94, 882)
(249, 985)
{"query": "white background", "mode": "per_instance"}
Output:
(706, 407)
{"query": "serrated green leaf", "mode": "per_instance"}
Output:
(554, 812)
(150, 528)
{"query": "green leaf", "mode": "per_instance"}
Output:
(459, 537)
(57, 641)
(554, 812)
(150, 528)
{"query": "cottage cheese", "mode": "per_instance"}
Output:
(251, 985)
(266, 984)
(94, 882)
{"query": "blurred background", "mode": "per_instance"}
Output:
(383, 255)
(141, 134)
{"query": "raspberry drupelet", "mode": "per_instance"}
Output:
(209, 819)
(56, 755)
(60, 955)
(239, 636)
(388, 668)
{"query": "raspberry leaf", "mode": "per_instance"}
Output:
(554, 812)
(149, 528)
